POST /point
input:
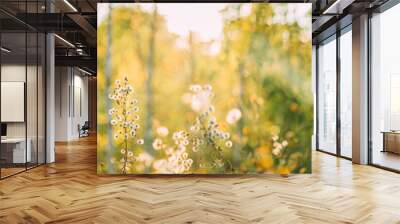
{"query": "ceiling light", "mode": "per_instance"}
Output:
(5, 50)
(331, 7)
(84, 71)
(65, 41)
(70, 5)
(337, 7)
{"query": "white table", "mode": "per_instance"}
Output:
(19, 155)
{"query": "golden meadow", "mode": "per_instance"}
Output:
(182, 102)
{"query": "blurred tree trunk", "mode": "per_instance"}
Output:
(192, 59)
(148, 127)
(108, 74)
(240, 125)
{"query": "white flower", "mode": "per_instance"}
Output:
(233, 116)
(195, 88)
(207, 87)
(213, 120)
(181, 148)
(129, 88)
(111, 111)
(228, 144)
(162, 131)
(284, 143)
(146, 158)
(140, 141)
(277, 145)
(157, 144)
(276, 151)
(114, 122)
(275, 138)
(227, 135)
(169, 150)
(201, 101)
(160, 164)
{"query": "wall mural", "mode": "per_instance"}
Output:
(204, 88)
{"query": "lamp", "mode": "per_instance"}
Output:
(5, 50)
(333, 8)
(70, 5)
(84, 71)
(64, 40)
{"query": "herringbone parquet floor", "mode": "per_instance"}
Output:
(69, 191)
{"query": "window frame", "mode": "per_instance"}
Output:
(333, 37)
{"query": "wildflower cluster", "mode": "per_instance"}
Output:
(278, 147)
(200, 97)
(145, 159)
(178, 160)
(177, 163)
(204, 133)
(205, 130)
(124, 120)
(181, 138)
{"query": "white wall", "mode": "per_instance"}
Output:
(71, 94)
(12, 73)
(61, 103)
(16, 73)
(80, 94)
(33, 126)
